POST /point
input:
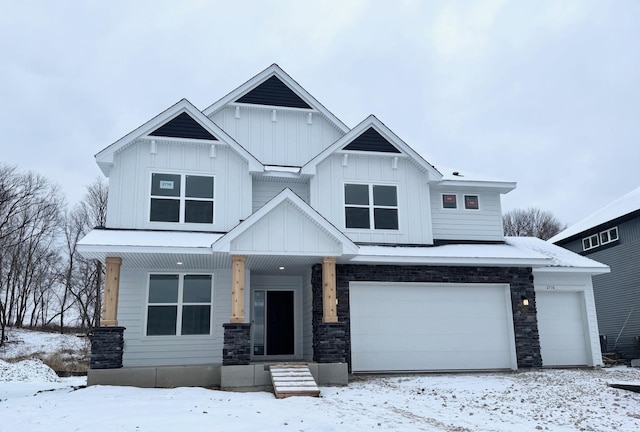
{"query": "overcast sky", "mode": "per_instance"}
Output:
(544, 93)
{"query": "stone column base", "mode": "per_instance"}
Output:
(329, 343)
(107, 347)
(237, 344)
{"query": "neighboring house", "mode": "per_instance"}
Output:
(612, 236)
(264, 229)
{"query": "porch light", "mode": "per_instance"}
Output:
(179, 263)
(525, 301)
(281, 268)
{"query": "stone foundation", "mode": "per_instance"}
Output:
(107, 347)
(237, 344)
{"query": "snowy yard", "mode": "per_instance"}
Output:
(32, 399)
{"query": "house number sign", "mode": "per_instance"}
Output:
(166, 184)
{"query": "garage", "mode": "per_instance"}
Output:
(561, 325)
(427, 326)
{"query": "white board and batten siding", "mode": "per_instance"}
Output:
(567, 321)
(428, 327)
(142, 350)
(130, 183)
(263, 191)
(414, 211)
(285, 229)
(290, 140)
(484, 224)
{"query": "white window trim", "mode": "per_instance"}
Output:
(598, 237)
(609, 231)
(442, 207)
(464, 199)
(179, 305)
(461, 201)
(370, 206)
(182, 198)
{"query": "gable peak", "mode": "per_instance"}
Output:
(274, 92)
(183, 126)
(370, 140)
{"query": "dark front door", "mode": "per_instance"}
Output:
(280, 323)
(273, 323)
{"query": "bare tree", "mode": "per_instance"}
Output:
(83, 278)
(531, 222)
(30, 207)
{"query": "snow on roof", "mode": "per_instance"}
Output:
(622, 206)
(529, 251)
(461, 254)
(560, 257)
(137, 238)
(525, 251)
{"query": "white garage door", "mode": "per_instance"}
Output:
(561, 327)
(420, 326)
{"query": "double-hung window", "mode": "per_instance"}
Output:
(179, 304)
(371, 206)
(181, 198)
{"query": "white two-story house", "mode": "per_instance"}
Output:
(264, 229)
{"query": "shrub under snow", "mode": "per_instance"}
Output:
(32, 370)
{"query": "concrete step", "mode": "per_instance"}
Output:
(293, 379)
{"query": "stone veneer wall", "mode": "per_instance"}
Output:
(237, 344)
(330, 342)
(520, 279)
(107, 347)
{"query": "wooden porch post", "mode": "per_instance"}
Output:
(237, 288)
(329, 309)
(111, 288)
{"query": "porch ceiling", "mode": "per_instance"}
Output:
(259, 264)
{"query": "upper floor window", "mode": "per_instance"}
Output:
(368, 206)
(181, 198)
(471, 202)
(450, 201)
(179, 304)
(601, 238)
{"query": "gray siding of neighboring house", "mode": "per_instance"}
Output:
(617, 294)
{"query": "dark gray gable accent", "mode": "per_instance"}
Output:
(273, 92)
(371, 141)
(183, 126)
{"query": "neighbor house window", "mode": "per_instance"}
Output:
(179, 304)
(602, 238)
(181, 198)
(449, 201)
(590, 242)
(471, 202)
(609, 235)
(368, 206)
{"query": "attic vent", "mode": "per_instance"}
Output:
(274, 92)
(371, 141)
(183, 126)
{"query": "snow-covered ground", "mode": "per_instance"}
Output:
(22, 343)
(553, 400)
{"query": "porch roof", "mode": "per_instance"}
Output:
(163, 249)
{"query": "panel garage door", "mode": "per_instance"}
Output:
(561, 327)
(420, 326)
